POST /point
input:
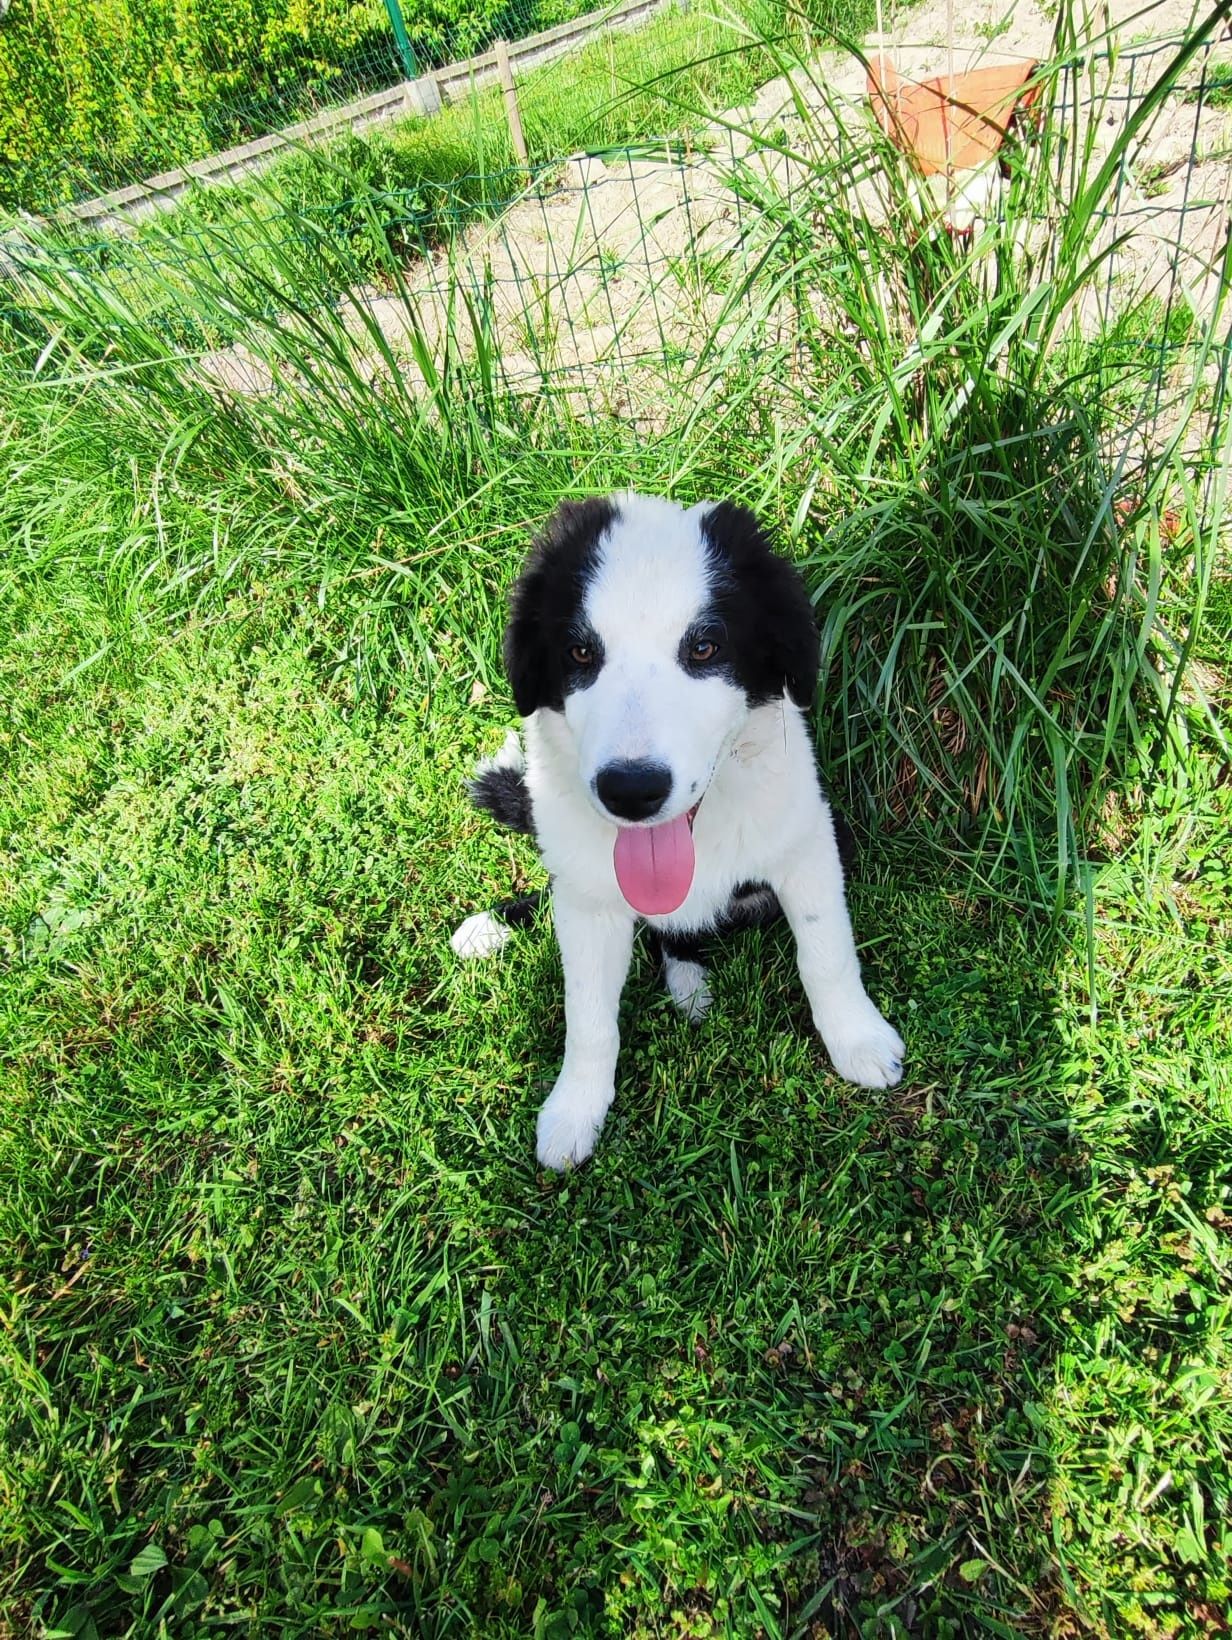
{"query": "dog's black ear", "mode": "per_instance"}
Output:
(525, 646)
(766, 607)
(547, 599)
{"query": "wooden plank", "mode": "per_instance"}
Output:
(512, 112)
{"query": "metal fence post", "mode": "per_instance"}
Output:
(405, 50)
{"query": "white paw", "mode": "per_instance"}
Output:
(686, 985)
(570, 1121)
(479, 936)
(866, 1050)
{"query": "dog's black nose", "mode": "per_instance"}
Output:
(633, 791)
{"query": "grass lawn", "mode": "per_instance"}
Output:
(296, 1339)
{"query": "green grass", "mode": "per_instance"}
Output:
(1216, 88)
(296, 1340)
(294, 1329)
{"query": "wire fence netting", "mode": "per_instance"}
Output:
(607, 284)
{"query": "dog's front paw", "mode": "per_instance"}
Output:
(866, 1050)
(480, 936)
(570, 1122)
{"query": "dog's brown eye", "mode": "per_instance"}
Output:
(703, 650)
(581, 654)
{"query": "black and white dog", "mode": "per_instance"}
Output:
(662, 661)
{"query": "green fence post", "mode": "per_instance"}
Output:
(405, 49)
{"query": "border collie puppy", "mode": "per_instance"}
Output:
(662, 661)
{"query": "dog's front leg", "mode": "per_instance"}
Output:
(863, 1047)
(595, 948)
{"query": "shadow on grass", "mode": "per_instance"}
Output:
(809, 1359)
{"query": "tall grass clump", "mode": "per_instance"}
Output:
(1010, 455)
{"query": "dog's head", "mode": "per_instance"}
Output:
(654, 631)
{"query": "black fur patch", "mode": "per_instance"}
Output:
(503, 793)
(770, 633)
(520, 913)
(848, 849)
(545, 611)
(680, 947)
(752, 905)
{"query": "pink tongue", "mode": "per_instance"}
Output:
(654, 865)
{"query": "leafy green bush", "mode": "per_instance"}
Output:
(411, 190)
(99, 95)
(93, 97)
(443, 31)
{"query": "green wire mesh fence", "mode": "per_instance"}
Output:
(587, 284)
